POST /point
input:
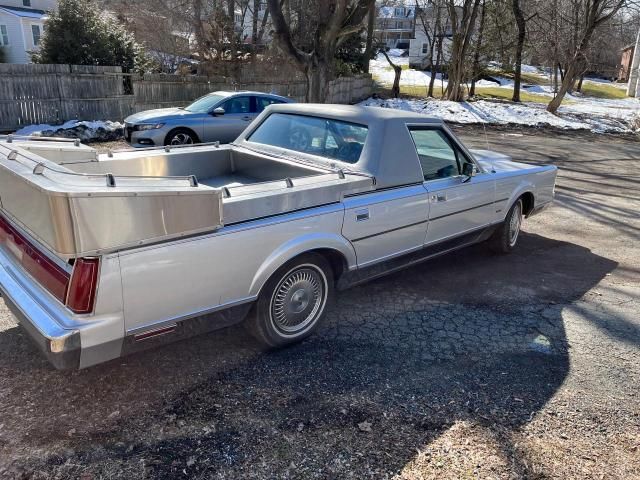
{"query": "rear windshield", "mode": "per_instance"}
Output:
(328, 138)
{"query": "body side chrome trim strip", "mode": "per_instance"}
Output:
(390, 230)
(469, 209)
(180, 318)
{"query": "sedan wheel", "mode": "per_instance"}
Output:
(505, 238)
(181, 136)
(515, 223)
(298, 300)
(292, 302)
(181, 139)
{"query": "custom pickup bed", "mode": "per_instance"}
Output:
(105, 254)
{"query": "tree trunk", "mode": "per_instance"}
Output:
(517, 12)
(476, 57)
(461, 39)
(371, 25)
(564, 88)
(397, 72)
(319, 74)
(254, 24)
(434, 68)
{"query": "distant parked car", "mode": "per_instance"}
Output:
(216, 117)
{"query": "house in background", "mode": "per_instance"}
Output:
(625, 63)
(395, 26)
(21, 27)
(633, 87)
(420, 45)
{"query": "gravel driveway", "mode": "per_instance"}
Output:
(469, 366)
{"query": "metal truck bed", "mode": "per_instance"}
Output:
(79, 203)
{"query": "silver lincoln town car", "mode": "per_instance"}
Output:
(216, 117)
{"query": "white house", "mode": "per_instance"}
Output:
(420, 44)
(395, 25)
(21, 27)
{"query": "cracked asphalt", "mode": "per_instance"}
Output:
(472, 365)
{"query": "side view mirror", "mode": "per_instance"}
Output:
(218, 111)
(468, 169)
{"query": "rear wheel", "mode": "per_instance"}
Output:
(181, 136)
(505, 238)
(292, 302)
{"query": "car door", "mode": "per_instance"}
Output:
(239, 111)
(459, 204)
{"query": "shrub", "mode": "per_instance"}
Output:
(79, 34)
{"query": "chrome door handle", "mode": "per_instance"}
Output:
(246, 118)
(362, 215)
(440, 197)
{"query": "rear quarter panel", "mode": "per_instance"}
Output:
(515, 179)
(190, 276)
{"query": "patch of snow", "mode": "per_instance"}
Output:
(530, 69)
(86, 131)
(397, 52)
(504, 113)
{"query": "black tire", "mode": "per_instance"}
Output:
(188, 137)
(505, 238)
(287, 310)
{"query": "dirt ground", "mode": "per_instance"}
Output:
(469, 366)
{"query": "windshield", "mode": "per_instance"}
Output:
(204, 104)
(318, 136)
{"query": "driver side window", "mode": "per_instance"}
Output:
(237, 105)
(438, 157)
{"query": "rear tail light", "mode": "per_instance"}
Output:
(52, 277)
(82, 288)
(77, 291)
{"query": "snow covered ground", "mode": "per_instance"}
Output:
(528, 114)
(577, 112)
(84, 130)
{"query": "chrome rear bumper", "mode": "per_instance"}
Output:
(60, 345)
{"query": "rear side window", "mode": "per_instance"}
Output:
(439, 158)
(264, 102)
(324, 137)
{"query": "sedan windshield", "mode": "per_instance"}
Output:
(204, 104)
(318, 136)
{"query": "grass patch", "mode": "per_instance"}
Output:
(602, 90)
(507, 94)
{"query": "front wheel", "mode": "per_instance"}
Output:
(505, 238)
(181, 136)
(292, 302)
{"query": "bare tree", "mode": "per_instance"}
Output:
(397, 72)
(463, 19)
(333, 22)
(591, 15)
(522, 33)
(371, 25)
(476, 56)
(432, 20)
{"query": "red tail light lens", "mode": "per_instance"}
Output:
(84, 281)
(48, 274)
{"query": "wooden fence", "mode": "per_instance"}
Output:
(32, 94)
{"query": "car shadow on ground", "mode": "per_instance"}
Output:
(470, 337)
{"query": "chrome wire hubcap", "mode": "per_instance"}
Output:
(297, 300)
(514, 225)
(182, 139)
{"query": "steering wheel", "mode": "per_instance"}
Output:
(299, 139)
(349, 151)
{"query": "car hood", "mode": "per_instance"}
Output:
(160, 115)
